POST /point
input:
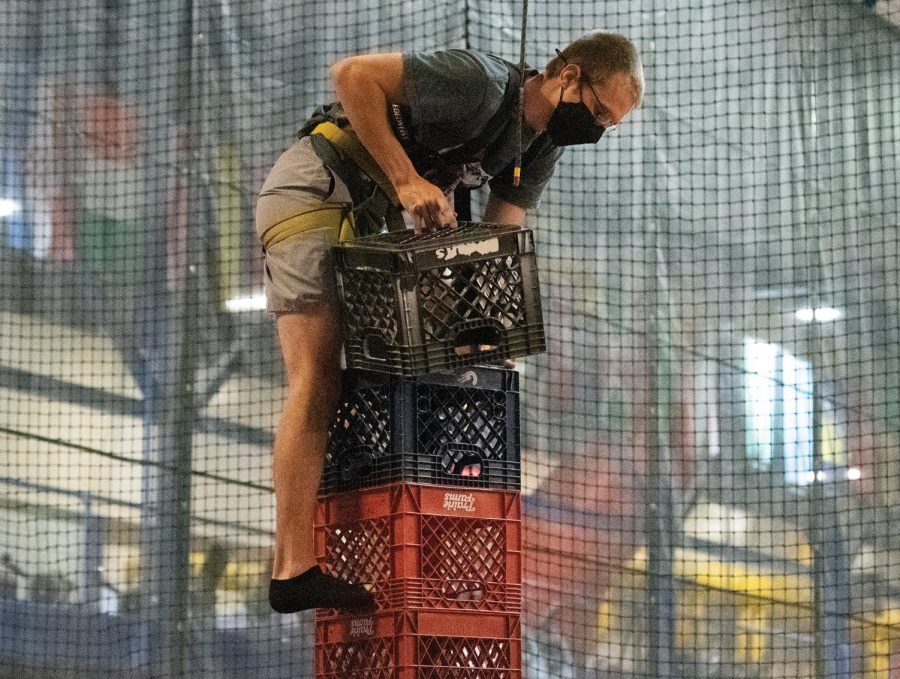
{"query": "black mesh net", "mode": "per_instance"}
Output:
(709, 445)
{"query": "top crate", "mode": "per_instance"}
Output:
(417, 304)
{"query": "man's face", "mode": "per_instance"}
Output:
(609, 103)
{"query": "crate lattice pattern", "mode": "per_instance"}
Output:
(361, 659)
(448, 416)
(369, 302)
(463, 562)
(455, 428)
(460, 556)
(361, 553)
(462, 656)
(454, 297)
(363, 420)
(438, 658)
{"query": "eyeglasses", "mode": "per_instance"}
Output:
(603, 119)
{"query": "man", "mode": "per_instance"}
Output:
(406, 130)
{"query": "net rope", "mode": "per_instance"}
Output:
(709, 444)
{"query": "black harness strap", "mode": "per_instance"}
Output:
(425, 159)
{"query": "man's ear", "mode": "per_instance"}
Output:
(569, 74)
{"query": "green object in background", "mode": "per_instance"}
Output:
(228, 220)
(111, 248)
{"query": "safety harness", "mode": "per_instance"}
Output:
(374, 199)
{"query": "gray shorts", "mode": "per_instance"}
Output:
(299, 271)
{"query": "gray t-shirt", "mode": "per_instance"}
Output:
(452, 95)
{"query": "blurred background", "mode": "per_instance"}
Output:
(711, 471)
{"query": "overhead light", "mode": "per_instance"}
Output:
(820, 315)
(254, 303)
(854, 474)
(8, 207)
(819, 476)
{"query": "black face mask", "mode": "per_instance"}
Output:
(573, 123)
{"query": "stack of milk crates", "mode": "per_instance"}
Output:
(420, 494)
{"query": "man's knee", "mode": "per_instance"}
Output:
(313, 398)
(310, 343)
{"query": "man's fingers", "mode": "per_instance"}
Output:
(432, 215)
(427, 206)
(432, 218)
(420, 219)
(431, 221)
(445, 217)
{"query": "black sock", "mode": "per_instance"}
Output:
(315, 589)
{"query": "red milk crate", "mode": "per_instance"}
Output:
(428, 547)
(419, 645)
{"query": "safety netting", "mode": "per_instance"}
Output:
(709, 445)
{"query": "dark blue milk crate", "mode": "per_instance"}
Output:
(457, 429)
(416, 304)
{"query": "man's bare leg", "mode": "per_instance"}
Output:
(311, 346)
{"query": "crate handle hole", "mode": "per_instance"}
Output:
(463, 590)
(464, 463)
(358, 464)
(376, 347)
(477, 341)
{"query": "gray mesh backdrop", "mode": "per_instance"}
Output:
(710, 442)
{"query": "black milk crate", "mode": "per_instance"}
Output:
(457, 429)
(416, 304)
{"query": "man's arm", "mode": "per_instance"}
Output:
(498, 211)
(365, 85)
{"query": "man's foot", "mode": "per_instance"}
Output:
(315, 589)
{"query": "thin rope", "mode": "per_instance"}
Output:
(517, 170)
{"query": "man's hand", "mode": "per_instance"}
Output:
(427, 205)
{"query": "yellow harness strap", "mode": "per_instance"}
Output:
(336, 216)
(348, 143)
